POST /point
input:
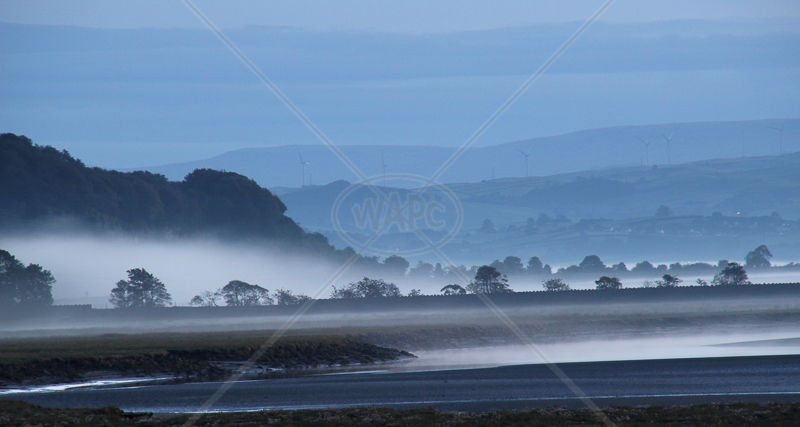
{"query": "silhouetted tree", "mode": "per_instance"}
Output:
(488, 281)
(701, 282)
(243, 294)
(487, 226)
(438, 271)
(732, 274)
(555, 284)
(592, 263)
(367, 288)
(758, 257)
(287, 297)
(29, 285)
(644, 267)
(423, 270)
(543, 220)
(530, 227)
(142, 289)
(396, 265)
(453, 290)
(620, 267)
(415, 293)
(663, 211)
(513, 265)
(668, 281)
(606, 282)
(207, 299)
(534, 265)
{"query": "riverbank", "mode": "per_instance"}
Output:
(33, 361)
(17, 413)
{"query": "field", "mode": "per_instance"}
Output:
(15, 413)
(189, 354)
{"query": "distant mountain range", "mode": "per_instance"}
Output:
(594, 149)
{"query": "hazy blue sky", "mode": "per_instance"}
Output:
(124, 84)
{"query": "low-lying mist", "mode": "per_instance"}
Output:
(674, 346)
(86, 267)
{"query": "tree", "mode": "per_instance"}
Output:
(142, 289)
(396, 265)
(758, 257)
(286, 297)
(415, 293)
(663, 211)
(367, 288)
(243, 294)
(644, 267)
(606, 282)
(620, 267)
(530, 227)
(207, 299)
(732, 274)
(513, 265)
(668, 281)
(29, 285)
(453, 290)
(487, 226)
(555, 284)
(592, 263)
(534, 265)
(423, 270)
(488, 281)
(701, 282)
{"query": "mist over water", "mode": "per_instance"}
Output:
(677, 346)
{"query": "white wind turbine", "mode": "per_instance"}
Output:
(526, 161)
(647, 149)
(303, 164)
(669, 147)
(383, 165)
(780, 131)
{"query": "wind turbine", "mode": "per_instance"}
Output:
(669, 148)
(303, 164)
(383, 165)
(780, 131)
(647, 147)
(526, 161)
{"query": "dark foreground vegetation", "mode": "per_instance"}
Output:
(189, 354)
(16, 413)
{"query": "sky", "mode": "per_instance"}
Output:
(128, 84)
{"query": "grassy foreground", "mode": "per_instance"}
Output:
(71, 358)
(17, 413)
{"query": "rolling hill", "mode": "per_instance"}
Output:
(591, 149)
(719, 208)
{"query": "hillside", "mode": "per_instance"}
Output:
(45, 187)
(719, 208)
(590, 149)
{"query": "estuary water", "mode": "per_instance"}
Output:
(634, 382)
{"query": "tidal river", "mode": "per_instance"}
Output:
(637, 382)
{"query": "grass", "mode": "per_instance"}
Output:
(58, 359)
(16, 413)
